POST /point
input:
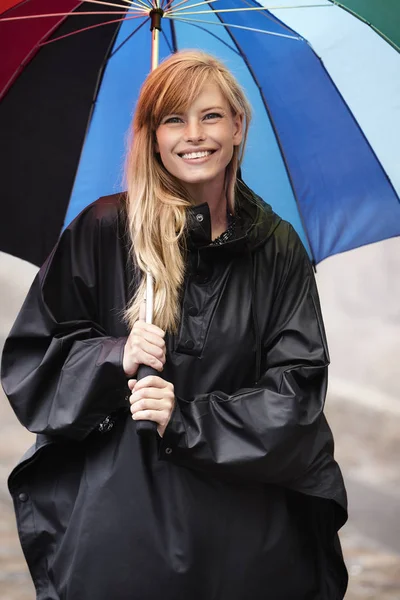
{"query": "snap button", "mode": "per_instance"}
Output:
(192, 311)
(168, 450)
(200, 218)
(22, 497)
(189, 344)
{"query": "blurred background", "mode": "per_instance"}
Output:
(323, 78)
(360, 296)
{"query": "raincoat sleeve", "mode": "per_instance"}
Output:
(274, 432)
(60, 370)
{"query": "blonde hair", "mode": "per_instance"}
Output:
(156, 200)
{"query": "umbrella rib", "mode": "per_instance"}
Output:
(298, 6)
(167, 41)
(166, 4)
(173, 35)
(108, 3)
(174, 8)
(140, 4)
(265, 13)
(235, 50)
(273, 18)
(217, 10)
(363, 20)
(73, 14)
(61, 37)
(126, 40)
(291, 37)
(146, 4)
(184, 8)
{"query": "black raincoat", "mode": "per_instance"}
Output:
(241, 499)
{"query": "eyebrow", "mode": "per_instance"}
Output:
(213, 108)
(178, 114)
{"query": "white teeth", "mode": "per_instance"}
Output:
(197, 154)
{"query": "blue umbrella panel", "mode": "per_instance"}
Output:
(306, 154)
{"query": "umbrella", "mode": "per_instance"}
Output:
(323, 78)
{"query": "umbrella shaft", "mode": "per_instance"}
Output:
(149, 297)
(154, 48)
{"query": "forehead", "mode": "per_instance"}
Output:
(210, 94)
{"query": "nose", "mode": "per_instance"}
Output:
(194, 131)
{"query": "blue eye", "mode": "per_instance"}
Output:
(173, 120)
(213, 116)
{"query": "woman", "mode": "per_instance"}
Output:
(237, 496)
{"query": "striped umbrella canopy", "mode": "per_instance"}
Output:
(323, 78)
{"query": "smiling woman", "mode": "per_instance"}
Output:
(238, 491)
(187, 105)
(197, 146)
(195, 136)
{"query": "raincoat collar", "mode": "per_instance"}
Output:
(256, 221)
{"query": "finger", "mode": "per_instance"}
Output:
(132, 383)
(156, 394)
(141, 324)
(151, 381)
(142, 311)
(154, 404)
(148, 332)
(145, 358)
(149, 348)
(145, 415)
(149, 415)
(140, 351)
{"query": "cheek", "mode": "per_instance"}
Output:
(227, 145)
(165, 145)
(165, 154)
(166, 158)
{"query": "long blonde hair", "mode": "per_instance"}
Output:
(156, 200)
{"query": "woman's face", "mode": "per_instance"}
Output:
(197, 146)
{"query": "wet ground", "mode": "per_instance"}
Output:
(368, 448)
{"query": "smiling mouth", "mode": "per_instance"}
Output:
(197, 155)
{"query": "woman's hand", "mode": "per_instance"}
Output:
(152, 399)
(144, 346)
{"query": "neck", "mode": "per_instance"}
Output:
(214, 194)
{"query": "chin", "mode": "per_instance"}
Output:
(199, 178)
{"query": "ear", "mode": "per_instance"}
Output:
(237, 129)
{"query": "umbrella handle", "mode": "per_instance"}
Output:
(145, 428)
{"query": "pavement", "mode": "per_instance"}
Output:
(367, 445)
(15, 582)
